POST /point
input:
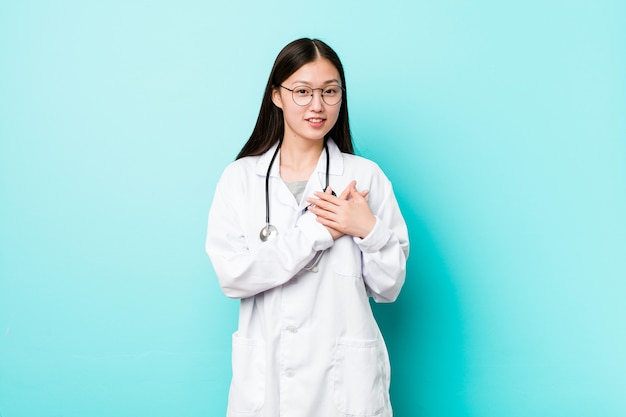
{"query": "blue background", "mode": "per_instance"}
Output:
(501, 124)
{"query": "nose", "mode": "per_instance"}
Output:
(317, 103)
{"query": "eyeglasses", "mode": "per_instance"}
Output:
(303, 95)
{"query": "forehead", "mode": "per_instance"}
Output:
(318, 72)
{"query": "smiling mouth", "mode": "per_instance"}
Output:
(315, 120)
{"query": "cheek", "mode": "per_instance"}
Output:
(290, 109)
(334, 116)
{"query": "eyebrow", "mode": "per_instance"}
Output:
(300, 82)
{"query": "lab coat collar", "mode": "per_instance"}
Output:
(336, 160)
(335, 166)
(264, 161)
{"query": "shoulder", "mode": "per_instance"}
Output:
(241, 166)
(362, 165)
(359, 160)
(368, 176)
(347, 162)
(237, 174)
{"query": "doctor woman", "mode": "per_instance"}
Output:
(303, 232)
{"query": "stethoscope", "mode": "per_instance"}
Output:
(269, 231)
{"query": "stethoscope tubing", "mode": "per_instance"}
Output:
(267, 184)
(269, 231)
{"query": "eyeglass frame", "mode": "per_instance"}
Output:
(312, 91)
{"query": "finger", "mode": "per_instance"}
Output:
(344, 194)
(327, 203)
(328, 196)
(321, 198)
(321, 207)
(356, 195)
(326, 221)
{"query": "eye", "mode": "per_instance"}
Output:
(331, 91)
(302, 91)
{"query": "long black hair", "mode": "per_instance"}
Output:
(270, 126)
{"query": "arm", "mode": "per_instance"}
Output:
(381, 235)
(385, 251)
(244, 271)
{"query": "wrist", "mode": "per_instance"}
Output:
(367, 227)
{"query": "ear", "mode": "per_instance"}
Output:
(276, 98)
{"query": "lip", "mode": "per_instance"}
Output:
(316, 122)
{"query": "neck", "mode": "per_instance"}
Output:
(298, 160)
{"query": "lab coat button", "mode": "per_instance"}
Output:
(290, 374)
(291, 329)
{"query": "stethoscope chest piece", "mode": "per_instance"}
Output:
(268, 232)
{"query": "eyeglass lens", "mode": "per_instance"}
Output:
(303, 95)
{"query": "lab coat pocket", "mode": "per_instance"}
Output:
(358, 381)
(247, 388)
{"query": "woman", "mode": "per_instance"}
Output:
(302, 259)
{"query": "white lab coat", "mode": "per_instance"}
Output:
(307, 343)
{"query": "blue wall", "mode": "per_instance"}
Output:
(501, 124)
